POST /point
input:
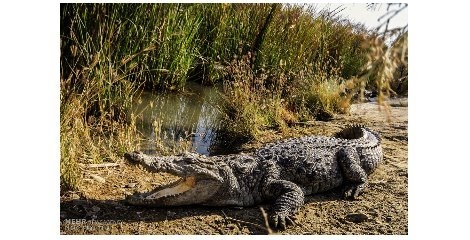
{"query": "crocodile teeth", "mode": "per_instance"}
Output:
(178, 187)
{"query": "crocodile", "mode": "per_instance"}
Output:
(282, 173)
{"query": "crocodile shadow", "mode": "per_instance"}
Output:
(117, 211)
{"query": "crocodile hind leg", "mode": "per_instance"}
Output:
(288, 199)
(353, 172)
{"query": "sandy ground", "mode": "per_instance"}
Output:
(98, 208)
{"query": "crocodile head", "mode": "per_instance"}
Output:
(199, 179)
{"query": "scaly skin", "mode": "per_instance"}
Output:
(282, 172)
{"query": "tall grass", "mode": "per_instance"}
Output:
(279, 64)
(162, 45)
(298, 72)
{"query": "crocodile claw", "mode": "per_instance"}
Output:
(353, 192)
(281, 221)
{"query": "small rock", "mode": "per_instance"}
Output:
(95, 209)
(170, 214)
(356, 217)
(130, 185)
(232, 226)
(403, 174)
(75, 196)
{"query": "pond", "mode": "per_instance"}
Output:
(187, 120)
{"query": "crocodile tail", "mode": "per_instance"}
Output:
(376, 134)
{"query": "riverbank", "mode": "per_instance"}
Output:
(288, 63)
(382, 209)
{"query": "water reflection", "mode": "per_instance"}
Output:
(175, 118)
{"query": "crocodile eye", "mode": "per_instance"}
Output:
(189, 160)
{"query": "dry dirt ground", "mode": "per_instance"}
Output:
(98, 208)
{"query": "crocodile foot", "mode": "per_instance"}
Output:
(353, 191)
(281, 221)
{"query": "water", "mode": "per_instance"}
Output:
(191, 117)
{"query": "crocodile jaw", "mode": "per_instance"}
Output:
(183, 185)
(185, 191)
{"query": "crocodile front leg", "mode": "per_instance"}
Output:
(288, 199)
(349, 161)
